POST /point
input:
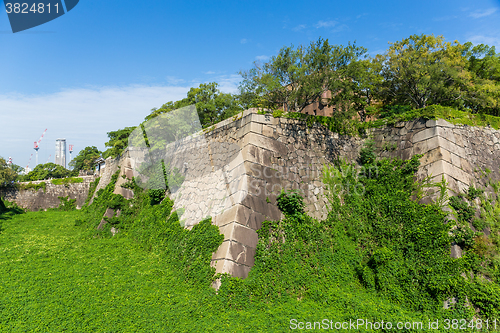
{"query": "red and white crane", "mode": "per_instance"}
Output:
(26, 170)
(37, 146)
(48, 159)
(70, 152)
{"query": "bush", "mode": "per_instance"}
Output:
(66, 181)
(67, 204)
(290, 203)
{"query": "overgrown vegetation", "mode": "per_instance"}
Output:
(31, 186)
(47, 171)
(66, 204)
(377, 243)
(85, 159)
(379, 255)
(392, 115)
(67, 181)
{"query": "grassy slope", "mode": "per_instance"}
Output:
(53, 279)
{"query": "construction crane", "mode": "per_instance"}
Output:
(28, 166)
(48, 159)
(37, 146)
(70, 152)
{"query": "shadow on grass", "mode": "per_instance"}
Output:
(8, 210)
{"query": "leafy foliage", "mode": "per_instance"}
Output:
(298, 77)
(67, 204)
(118, 141)
(7, 174)
(67, 181)
(48, 170)
(85, 159)
(422, 70)
(367, 154)
(212, 105)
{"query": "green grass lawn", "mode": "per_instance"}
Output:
(54, 279)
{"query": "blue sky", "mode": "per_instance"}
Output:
(105, 64)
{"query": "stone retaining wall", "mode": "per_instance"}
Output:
(279, 153)
(40, 199)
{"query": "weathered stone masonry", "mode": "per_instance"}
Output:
(36, 200)
(280, 153)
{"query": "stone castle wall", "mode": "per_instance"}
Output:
(276, 153)
(40, 199)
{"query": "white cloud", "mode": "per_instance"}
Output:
(209, 72)
(483, 13)
(325, 24)
(262, 58)
(299, 27)
(82, 116)
(173, 80)
(488, 40)
(243, 41)
(228, 83)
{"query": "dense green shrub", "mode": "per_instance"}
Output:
(367, 154)
(464, 211)
(92, 188)
(31, 186)
(67, 204)
(153, 224)
(67, 181)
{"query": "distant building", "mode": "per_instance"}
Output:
(100, 164)
(61, 152)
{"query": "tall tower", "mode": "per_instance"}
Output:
(60, 157)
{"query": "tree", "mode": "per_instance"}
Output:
(298, 77)
(355, 87)
(85, 159)
(484, 65)
(7, 174)
(49, 170)
(212, 105)
(422, 70)
(118, 141)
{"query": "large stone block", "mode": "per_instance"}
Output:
(264, 119)
(249, 127)
(235, 251)
(437, 141)
(442, 167)
(265, 143)
(230, 267)
(424, 134)
(242, 234)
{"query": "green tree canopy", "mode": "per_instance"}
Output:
(422, 70)
(212, 105)
(7, 173)
(85, 159)
(484, 66)
(298, 77)
(118, 141)
(49, 170)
